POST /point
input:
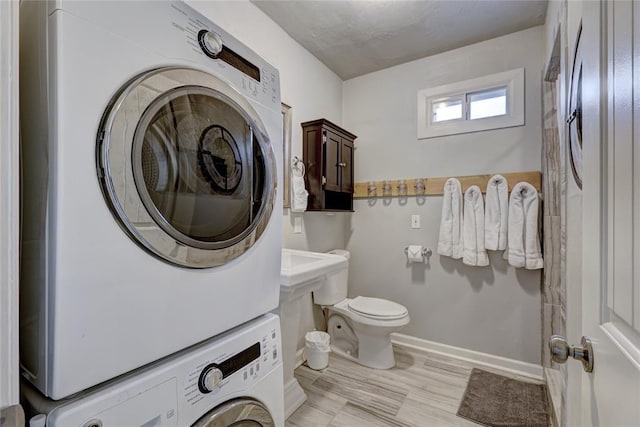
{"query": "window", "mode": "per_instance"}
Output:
(446, 109)
(490, 102)
(487, 103)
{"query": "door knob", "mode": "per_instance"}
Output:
(561, 350)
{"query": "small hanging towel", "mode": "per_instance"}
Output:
(450, 240)
(496, 214)
(299, 193)
(524, 245)
(473, 229)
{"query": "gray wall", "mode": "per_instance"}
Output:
(494, 309)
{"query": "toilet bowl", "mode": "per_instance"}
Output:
(360, 327)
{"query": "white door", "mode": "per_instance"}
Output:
(611, 214)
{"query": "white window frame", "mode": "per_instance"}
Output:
(513, 80)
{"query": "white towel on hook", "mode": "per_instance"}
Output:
(450, 240)
(496, 214)
(523, 249)
(473, 228)
(298, 191)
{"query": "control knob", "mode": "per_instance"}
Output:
(209, 379)
(210, 42)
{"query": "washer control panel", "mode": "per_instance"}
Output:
(210, 42)
(178, 390)
(236, 368)
(213, 374)
(210, 378)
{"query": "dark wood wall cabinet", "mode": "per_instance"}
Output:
(328, 158)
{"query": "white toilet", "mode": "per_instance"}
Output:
(360, 328)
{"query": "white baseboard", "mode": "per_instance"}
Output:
(299, 360)
(514, 366)
(294, 397)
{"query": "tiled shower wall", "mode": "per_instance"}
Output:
(553, 295)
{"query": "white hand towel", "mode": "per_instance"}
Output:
(497, 208)
(450, 240)
(524, 245)
(299, 193)
(473, 229)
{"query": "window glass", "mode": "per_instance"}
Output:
(488, 103)
(448, 109)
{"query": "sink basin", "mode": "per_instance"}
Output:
(303, 272)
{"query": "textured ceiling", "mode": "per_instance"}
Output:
(358, 37)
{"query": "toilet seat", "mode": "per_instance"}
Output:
(377, 308)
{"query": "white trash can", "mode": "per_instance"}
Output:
(316, 349)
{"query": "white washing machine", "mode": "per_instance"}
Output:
(151, 145)
(231, 380)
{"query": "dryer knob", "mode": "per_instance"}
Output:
(211, 43)
(210, 379)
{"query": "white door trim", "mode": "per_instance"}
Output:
(9, 203)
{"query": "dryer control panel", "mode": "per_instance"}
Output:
(178, 33)
(243, 68)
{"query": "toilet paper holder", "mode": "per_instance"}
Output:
(426, 252)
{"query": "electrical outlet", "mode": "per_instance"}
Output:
(415, 221)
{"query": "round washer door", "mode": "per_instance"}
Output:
(186, 167)
(242, 412)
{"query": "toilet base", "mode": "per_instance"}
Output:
(376, 352)
(341, 353)
(379, 358)
(365, 341)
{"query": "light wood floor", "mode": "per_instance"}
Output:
(424, 389)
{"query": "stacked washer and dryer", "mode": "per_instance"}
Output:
(151, 227)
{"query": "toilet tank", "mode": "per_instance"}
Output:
(335, 288)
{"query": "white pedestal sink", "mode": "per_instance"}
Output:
(302, 273)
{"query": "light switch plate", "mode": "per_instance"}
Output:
(415, 221)
(297, 225)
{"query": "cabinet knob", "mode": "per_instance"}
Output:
(342, 165)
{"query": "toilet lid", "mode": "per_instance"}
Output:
(377, 308)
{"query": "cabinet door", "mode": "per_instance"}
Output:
(331, 161)
(346, 163)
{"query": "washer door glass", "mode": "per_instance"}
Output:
(187, 167)
(243, 412)
(198, 168)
